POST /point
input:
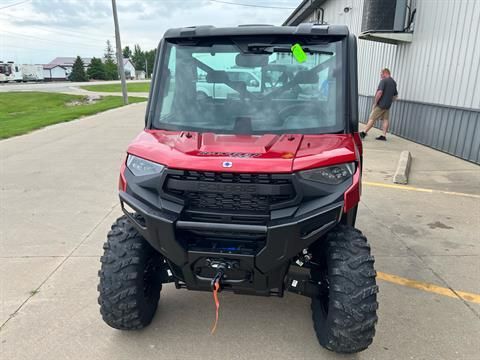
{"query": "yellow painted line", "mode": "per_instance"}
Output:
(414, 284)
(412, 188)
(393, 186)
(461, 194)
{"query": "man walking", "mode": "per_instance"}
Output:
(386, 93)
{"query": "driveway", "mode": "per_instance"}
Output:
(66, 87)
(58, 200)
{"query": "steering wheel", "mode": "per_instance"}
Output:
(300, 109)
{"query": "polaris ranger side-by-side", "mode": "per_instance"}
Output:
(255, 191)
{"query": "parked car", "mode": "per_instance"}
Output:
(221, 90)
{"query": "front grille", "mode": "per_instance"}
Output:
(234, 202)
(229, 191)
(230, 177)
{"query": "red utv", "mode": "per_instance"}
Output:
(254, 191)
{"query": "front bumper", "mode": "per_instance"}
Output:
(260, 269)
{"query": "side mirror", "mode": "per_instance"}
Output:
(253, 83)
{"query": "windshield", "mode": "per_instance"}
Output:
(250, 88)
(5, 69)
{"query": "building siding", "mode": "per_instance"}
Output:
(437, 73)
(57, 73)
(449, 129)
(442, 63)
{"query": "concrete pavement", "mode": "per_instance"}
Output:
(58, 199)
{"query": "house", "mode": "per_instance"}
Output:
(53, 72)
(60, 68)
(67, 62)
(140, 75)
(129, 69)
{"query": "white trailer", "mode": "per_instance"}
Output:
(17, 72)
(31, 72)
(6, 71)
(10, 71)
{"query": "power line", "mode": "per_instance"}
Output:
(30, 37)
(252, 5)
(12, 5)
(67, 32)
(2, 48)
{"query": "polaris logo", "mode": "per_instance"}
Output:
(230, 154)
(226, 188)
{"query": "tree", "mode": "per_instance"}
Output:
(78, 71)
(127, 52)
(111, 70)
(150, 56)
(138, 58)
(96, 70)
(109, 53)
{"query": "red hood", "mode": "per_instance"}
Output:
(246, 153)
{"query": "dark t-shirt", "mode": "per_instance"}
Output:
(389, 88)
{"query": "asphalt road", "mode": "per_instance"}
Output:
(58, 199)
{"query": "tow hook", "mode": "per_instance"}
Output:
(220, 266)
(216, 281)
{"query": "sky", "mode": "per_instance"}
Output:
(37, 31)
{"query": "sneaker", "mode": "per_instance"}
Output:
(381, 137)
(363, 134)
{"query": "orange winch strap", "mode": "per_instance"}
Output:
(217, 304)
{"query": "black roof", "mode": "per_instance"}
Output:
(246, 30)
(303, 11)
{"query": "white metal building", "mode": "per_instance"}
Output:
(53, 72)
(129, 69)
(67, 62)
(434, 58)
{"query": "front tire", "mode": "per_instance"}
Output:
(202, 96)
(130, 281)
(344, 317)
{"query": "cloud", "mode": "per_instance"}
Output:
(66, 13)
(43, 29)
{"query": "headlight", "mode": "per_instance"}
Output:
(332, 175)
(141, 167)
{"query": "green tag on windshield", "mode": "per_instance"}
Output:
(298, 53)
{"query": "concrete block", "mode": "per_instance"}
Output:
(403, 168)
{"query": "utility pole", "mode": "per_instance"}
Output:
(146, 67)
(119, 54)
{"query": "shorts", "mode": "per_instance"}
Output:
(379, 113)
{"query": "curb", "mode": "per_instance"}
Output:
(403, 168)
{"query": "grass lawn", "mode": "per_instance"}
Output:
(132, 87)
(22, 112)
